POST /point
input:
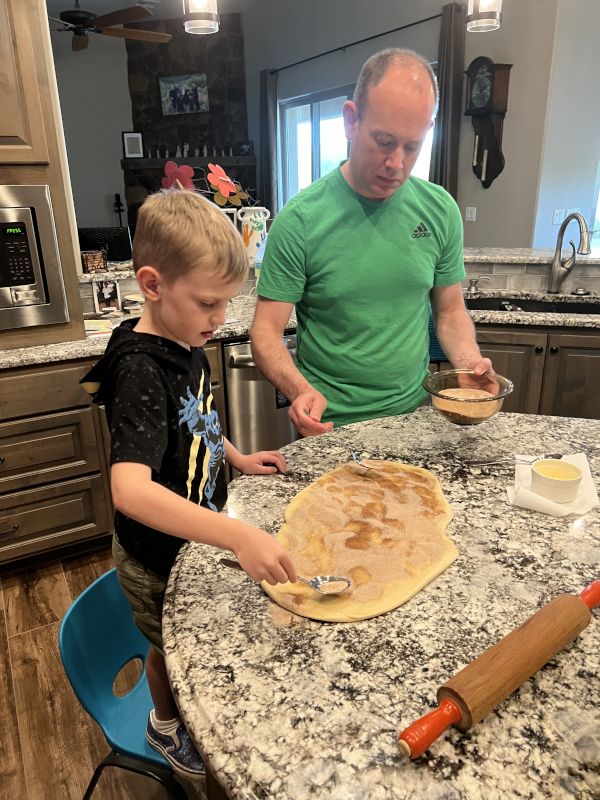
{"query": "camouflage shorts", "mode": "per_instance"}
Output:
(144, 590)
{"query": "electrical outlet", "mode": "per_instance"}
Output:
(470, 213)
(558, 216)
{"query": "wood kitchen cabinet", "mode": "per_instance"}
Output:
(54, 488)
(572, 376)
(519, 356)
(22, 132)
(554, 372)
(33, 153)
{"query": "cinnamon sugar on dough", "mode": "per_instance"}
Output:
(384, 529)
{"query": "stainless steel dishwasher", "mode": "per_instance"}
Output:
(257, 413)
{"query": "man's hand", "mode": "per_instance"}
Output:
(265, 462)
(306, 412)
(264, 559)
(483, 378)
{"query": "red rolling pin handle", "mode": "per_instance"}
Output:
(418, 737)
(591, 595)
(414, 740)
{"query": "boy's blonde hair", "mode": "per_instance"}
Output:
(178, 231)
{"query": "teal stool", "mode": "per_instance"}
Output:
(97, 637)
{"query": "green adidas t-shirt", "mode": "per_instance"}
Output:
(360, 273)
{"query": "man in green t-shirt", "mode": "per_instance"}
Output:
(361, 253)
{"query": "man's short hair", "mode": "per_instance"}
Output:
(375, 68)
(178, 231)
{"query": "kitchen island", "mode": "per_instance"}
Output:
(287, 708)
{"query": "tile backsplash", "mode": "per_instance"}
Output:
(504, 277)
(532, 277)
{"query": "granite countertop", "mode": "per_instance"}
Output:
(117, 270)
(521, 255)
(287, 708)
(536, 318)
(242, 311)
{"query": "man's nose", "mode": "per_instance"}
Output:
(395, 160)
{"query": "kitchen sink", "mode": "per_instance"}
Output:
(524, 304)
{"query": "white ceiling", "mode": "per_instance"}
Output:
(164, 9)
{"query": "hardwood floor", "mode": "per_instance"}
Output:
(49, 745)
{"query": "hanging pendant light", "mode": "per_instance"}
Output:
(200, 16)
(484, 15)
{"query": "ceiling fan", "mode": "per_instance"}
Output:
(83, 22)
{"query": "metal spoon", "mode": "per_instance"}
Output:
(485, 462)
(325, 584)
(358, 460)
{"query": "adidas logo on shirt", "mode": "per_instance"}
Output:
(420, 231)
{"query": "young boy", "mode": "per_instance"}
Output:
(167, 449)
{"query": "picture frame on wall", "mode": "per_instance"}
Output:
(133, 145)
(183, 94)
(107, 296)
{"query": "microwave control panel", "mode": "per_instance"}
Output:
(21, 282)
(16, 266)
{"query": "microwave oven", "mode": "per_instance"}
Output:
(32, 291)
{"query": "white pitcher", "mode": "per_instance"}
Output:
(253, 225)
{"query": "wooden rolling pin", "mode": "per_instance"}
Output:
(478, 688)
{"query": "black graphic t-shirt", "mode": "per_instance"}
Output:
(161, 413)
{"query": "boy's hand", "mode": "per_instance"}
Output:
(265, 462)
(264, 559)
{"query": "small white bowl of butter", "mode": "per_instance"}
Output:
(555, 479)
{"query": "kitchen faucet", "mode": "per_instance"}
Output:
(473, 283)
(560, 269)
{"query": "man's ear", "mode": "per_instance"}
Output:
(350, 113)
(150, 282)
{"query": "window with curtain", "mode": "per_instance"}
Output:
(312, 139)
(313, 143)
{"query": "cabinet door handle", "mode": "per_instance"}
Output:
(2, 460)
(554, 349)
(10, 528)
(539, 349)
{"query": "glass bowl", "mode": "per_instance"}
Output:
(462, 399)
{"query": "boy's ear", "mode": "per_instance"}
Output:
(149, 281)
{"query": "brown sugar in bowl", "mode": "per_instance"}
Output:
(464, 405)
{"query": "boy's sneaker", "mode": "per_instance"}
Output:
(178, 749)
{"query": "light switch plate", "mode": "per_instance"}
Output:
(471, 213)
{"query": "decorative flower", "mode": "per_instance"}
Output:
(226, 190)
(174, 173)
(219, 178)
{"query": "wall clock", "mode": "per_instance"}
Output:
(486, 104)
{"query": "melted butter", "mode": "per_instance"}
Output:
(561, 471)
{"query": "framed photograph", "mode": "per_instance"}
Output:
(183, 94)
(133, 146)
(106, 296)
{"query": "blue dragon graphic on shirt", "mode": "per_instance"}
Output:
(205, 426)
